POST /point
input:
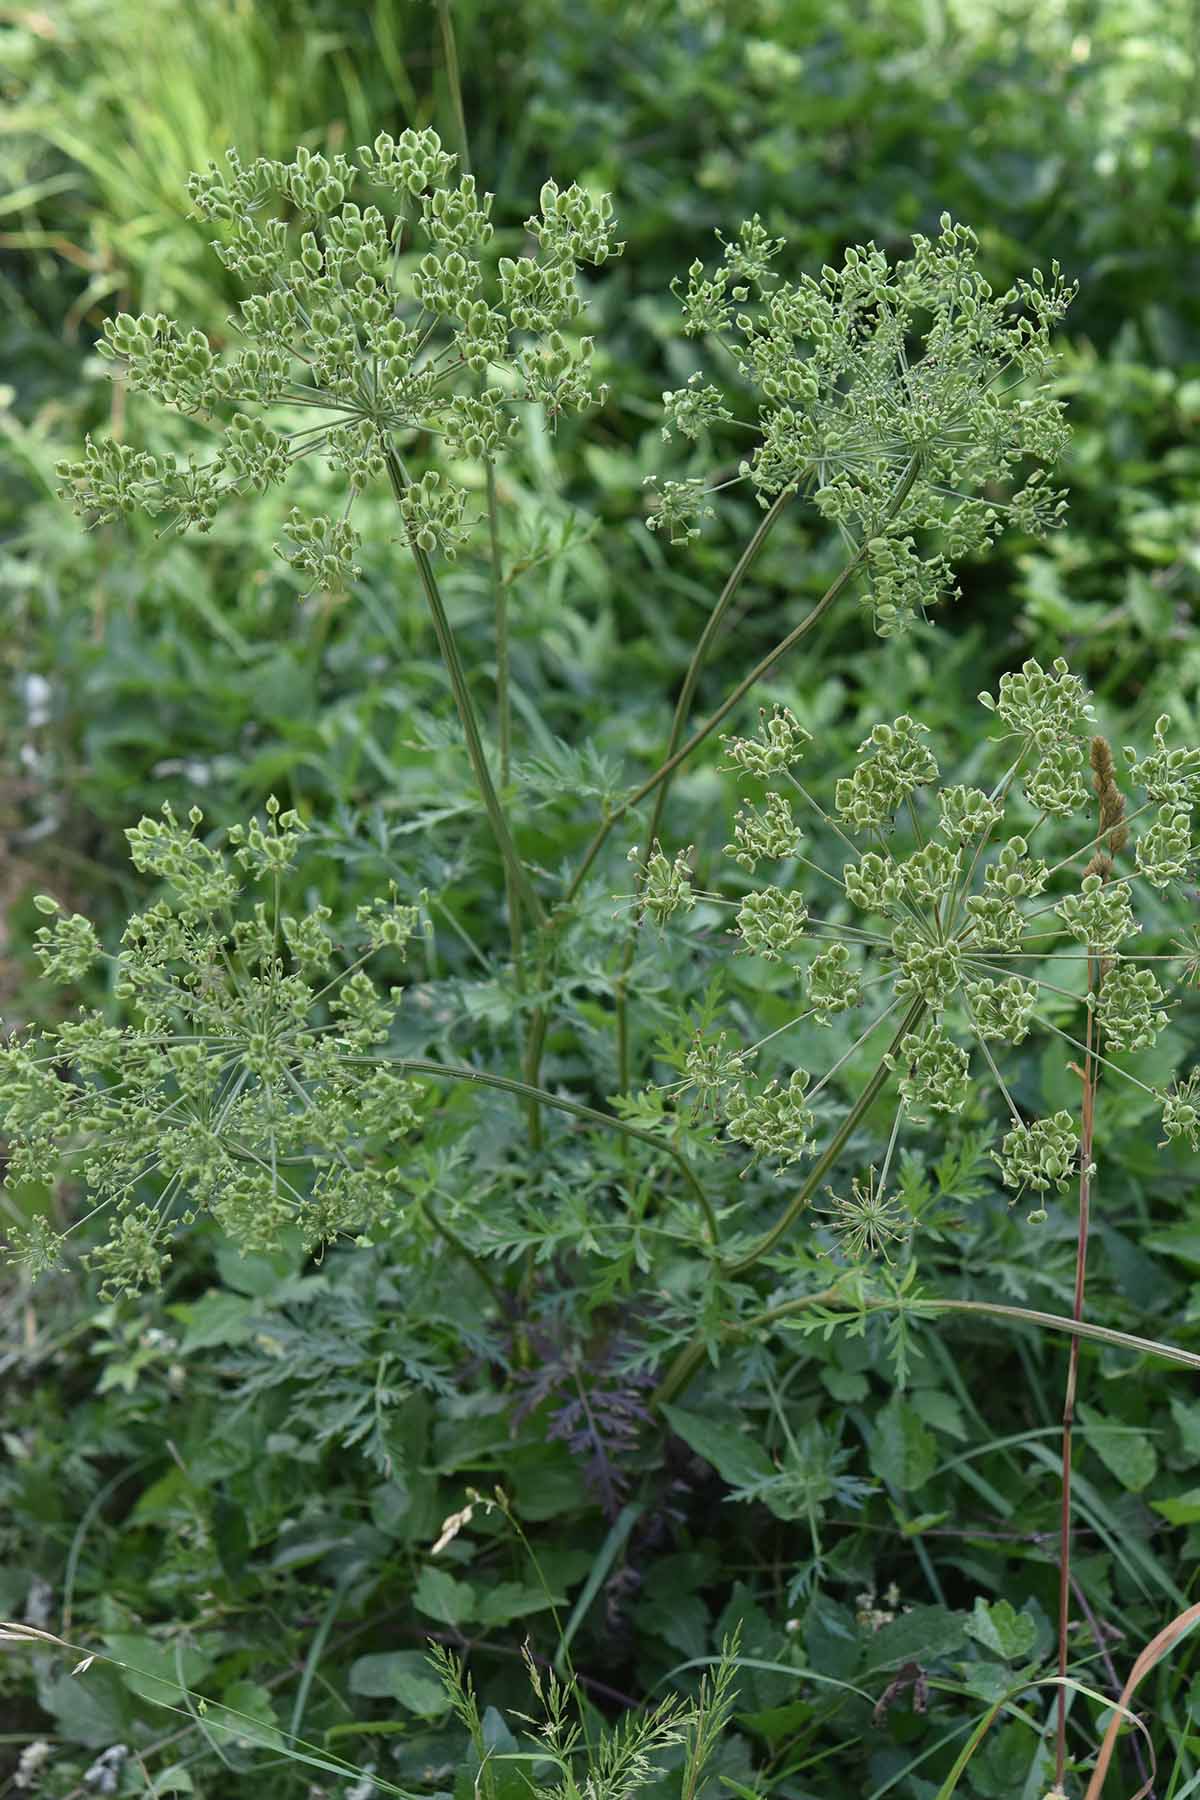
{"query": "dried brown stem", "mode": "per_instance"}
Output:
(1114, 833)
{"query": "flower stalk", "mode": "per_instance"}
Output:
(513, 865)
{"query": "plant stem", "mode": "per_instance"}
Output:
(832, 1151)
(678, 753)
(683, 707)
(589, 1114)
(1068, 1419)
(690, 1357)
(504, 739)
(466, 712)
(667, 768)
(500, 600)
(1076, 1329)
(463, 1249)
(454, 82)
(1114, 1683)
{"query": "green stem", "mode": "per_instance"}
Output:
(466, 711)
(454, 82)
(692, 1355)
(463, 1249)
(1086, 1139)
(833, 1150)
(621, 1008)
(1077, 1328)
(667, 768)
(504, 739)
(525, 1091)
(500, 600)
(682, 1369)
(683, 707)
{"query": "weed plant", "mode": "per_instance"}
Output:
(240, 1063)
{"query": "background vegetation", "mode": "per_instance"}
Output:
(234, 1486)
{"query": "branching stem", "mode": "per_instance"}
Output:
(559, 1103)
(667, 768)
(685, 1365)
(833, 1150)
(466, 711)
(692, 1355)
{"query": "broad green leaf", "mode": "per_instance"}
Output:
(681, 1622)
(923, 1522)
(402, 1675)
(217, 1319)
(1002, 1771)
(512, 1600)
(1179, 1241)
(989, 1680)
(295, 1548)
(846, 1385)
(93, 1708)
(174, 1780)
(246, 1716)
(167, 1496)
(440, 1597)
(903, 1451)
(777, 1721)
(1129, 1455)
(259, 1273)
(940, 1410)
(999, 1628)
(1183, 1509)
(157, 1671)
(737, 1458)
(1186, 1415)
(563, 1566)
(546, 1483)
(921, 1634)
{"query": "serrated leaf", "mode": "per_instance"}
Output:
(990, 1681)
(1129, 1455)
(903, 1451)
(92, 1709)
(246, 1717)
(738, 1459)
(402, 1675)
(440, 1597)
(1007, 1633)
(512, 1600)
(921, 1634)
(1183, 1509)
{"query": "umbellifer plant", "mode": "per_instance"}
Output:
(255, 1074)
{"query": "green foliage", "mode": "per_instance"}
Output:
(336, 322)
(272, 1479)
(241, 1087)
(943, 920)
(877, 433)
